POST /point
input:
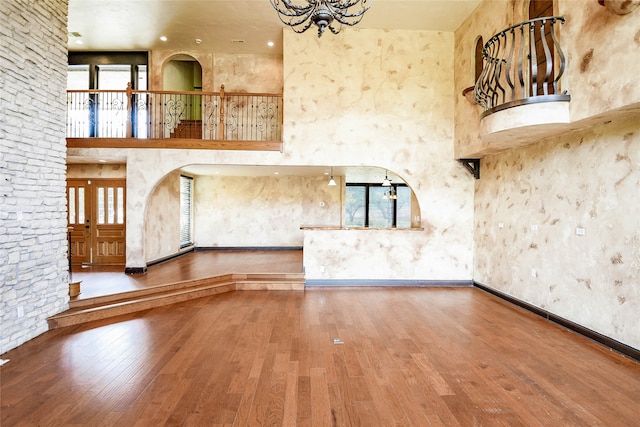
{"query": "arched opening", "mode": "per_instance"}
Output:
(266, 205)
(183, 73)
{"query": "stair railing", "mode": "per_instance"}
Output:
(144, 114)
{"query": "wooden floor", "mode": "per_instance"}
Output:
(321, 357)
(109, 280)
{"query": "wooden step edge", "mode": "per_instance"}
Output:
(136, 293)
(270, 285)
(68, 318)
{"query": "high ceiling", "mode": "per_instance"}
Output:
(237, 27)
(230, 26)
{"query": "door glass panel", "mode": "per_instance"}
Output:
(141, 104)
(81, 205)
(114, 77)
(72, 205)
(78, 77)
(100, 205)
(120, 207)
(142, 77)
(78, 103)
(112, 106)
(110, 206)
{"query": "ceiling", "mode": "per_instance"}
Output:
(230, 26)
(236, 27)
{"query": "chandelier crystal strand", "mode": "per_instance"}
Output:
(301, 14)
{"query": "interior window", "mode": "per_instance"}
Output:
(377, 206)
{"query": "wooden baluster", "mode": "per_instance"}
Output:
(221, 124)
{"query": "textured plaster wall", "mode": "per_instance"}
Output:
(162, 219)
(238, 73)
(248, 73)
(584, 177)
(96, 171)
(541, 194)
(489, 18)
(366, 97)
(383, 98)
(601, 50)
(261, 211)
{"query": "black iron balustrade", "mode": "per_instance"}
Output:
(142, 114)
(522, 65)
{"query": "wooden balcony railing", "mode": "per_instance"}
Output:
(522, 65)
(139, 118)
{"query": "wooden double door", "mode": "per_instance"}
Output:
(96, 218)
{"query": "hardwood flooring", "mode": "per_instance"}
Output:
(405, 357)
(108, 280)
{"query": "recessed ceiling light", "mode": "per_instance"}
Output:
(163, 38)
(198, 41)
(102, 161)
(270, 44)
(276, 173)
(79, 42)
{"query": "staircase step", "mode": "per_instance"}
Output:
(98, 308)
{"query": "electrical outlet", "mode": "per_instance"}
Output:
(534, 227)
(580, 231)
(20, 311)
(534, 273)
(501, 225)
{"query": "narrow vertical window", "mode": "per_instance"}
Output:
(186, 211)
(478, 64)
(120, 207)
(72, 205)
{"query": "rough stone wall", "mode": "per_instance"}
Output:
(33, 244)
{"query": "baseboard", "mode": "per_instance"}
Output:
(390, 283)
(612, 344)
(248, 248)
(135, 270)
(169, 257)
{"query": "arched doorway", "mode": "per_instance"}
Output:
(542, 9)
(183, 73)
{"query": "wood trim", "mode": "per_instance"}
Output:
(390, 283)
(597, 337)
(177, 143)
(170, 257)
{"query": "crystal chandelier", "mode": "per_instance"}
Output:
(300, 14)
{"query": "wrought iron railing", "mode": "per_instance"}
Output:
(146, 114)
(522, 65)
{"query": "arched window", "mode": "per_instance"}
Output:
(478, 58)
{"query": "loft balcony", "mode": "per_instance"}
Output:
(169, 119)
(520, 84)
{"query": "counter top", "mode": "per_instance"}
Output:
(339, 227)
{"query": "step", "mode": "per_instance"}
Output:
(104, 307)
